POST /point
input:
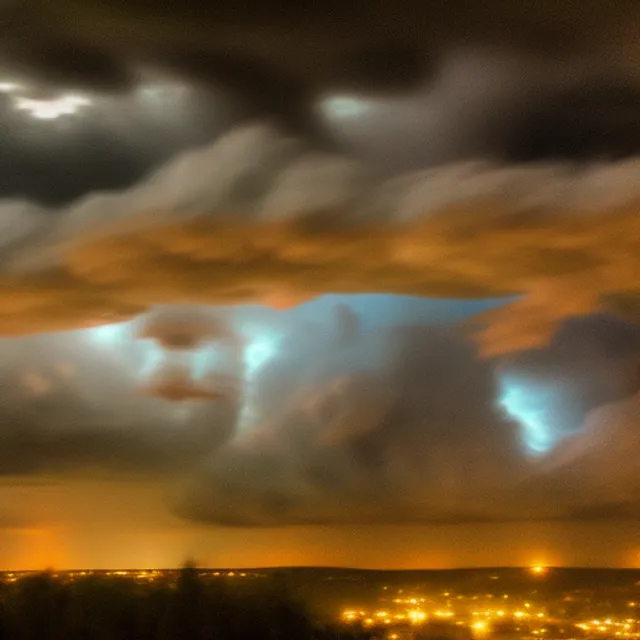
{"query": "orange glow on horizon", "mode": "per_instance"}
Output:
(539, 569)
(43, 549)
(122, 524)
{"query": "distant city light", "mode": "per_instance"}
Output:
(538, 569)
(416, 616)
(532, 621)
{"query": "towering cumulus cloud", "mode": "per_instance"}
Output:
(302, 422)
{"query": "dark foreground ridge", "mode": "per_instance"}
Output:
(187, 604)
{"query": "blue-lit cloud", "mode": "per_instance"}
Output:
(259, 351)
(531, 406)
(344, 409)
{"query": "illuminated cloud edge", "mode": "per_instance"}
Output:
(256, 217)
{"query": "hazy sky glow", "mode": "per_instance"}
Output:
(266, 300)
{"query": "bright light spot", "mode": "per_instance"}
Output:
(259, 352)
(346, 107)
(107, 335)
(118, 339)
(51, 109)
(529, 407)
(479, 626)
(444, 614)
(416, 616)
(10, 87)
(538, 569)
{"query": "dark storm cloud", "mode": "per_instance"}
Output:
(313, 40)
(592, 474)
(25, 169)
(593, 361)
(111, 144)
(599, 119)
(67, 405)
(279, 61)
(66, 63)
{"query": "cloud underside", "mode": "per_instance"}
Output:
(256, 217)
(424, 441)
(401, 423)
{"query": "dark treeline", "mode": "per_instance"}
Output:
(97, 607)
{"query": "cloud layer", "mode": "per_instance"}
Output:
(335, 421)
(258, 217)
(510, 171)
(426, 437)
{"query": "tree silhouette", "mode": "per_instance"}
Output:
(190, 606)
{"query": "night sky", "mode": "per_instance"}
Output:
(347, 286)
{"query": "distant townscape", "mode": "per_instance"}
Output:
(532, 603)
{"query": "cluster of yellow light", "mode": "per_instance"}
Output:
(149, 575)
(480, 620)
(350, 615)
(608, 626)
(408, 600)
(518, 614)
(414, 616)
(144, 575)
